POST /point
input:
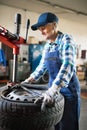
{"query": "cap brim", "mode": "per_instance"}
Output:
(36, 26)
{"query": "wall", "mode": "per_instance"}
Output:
(7, 19)
(77, 30)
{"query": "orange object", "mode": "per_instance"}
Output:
(5, 38)
(13, 41)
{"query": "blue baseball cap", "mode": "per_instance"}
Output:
(44, 19)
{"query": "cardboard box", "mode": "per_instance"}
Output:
(33, 40)
(81, 75)
(3, 70)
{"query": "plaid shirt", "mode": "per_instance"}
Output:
(67, 52)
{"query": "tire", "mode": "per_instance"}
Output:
(18, 111)
(45, 77)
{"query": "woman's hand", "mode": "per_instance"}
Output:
(28, 80)
(10, 84)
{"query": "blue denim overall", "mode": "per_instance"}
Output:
(71, 93)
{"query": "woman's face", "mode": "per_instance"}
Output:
(48, 31)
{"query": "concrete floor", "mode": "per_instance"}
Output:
(83, 115)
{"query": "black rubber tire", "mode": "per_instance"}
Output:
(45, 78)
(25, 115)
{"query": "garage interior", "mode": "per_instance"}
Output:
(72, 19)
